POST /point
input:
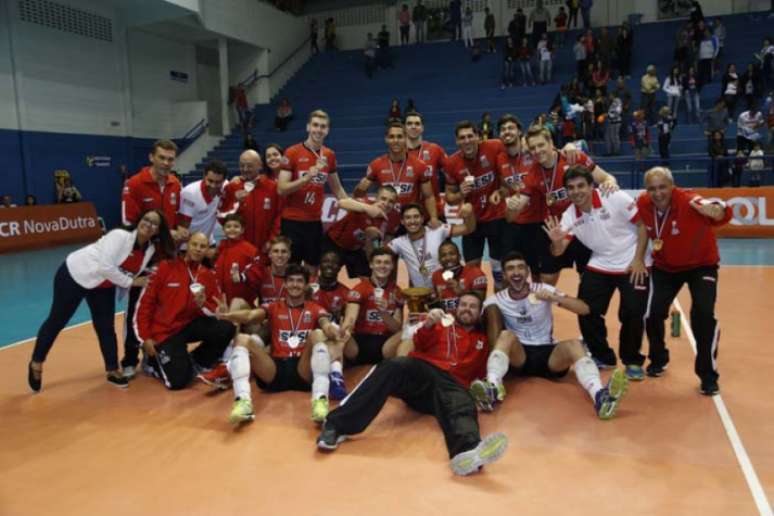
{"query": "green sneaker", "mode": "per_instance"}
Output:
(486, 394)
(618, 384)
(488, 450)
(241, 412)
(608, 399)
(319, 409)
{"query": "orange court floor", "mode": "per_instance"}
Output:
(83, 447)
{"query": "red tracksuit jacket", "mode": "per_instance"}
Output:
(461, 353)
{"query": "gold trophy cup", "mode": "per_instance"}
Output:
(416, 299)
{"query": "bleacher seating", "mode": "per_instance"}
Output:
(447, 87)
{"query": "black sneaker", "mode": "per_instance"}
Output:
(655, 370)
(35, 382)
(709, 387)
(329, 438)
(119, 380)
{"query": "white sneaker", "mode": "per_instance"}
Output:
(488, 450)
(130, 372)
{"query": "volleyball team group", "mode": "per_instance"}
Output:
(266, 301)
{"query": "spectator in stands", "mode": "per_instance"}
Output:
(525, 62)
(730, 89)
(404, 21)
(69, 194)
(370, 55)
(545, 58)
(410, 108)
(573, 6)
(455, 18)
(640, 135)
(719, 31)
(250, 143)
(330, 34)
(7, 202)
(673, 87)
(517, 28)
(600, 114)
(489, 30)
(604, 47)
(313, 32)
(649, 85)
(666, 124)
(718, 153)
(510, 56)
(591, 46)
(467, 27)
(588, 78)
(766, 59)
(579, 49)
(683, 44)
(756, 164)
(383, 58)
(697, 15)
(750, 85)
(394, 114)
(30, 200)
(748, 127)
(560, 22)
(601, 76)
(585, 8)
(623, 49)
(486, 126)
(540, 19)
(419, 15)
(770, 122)
(284, 115)
(692, 96)
(717, 120)
(613, 131)
(708, 51)
(737, 169)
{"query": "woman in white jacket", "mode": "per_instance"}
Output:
(673, 87)
(93, 272)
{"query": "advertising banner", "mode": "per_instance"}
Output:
(33, 227)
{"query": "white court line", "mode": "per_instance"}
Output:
(20, 342)
(759, 495)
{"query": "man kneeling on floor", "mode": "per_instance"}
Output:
(298, 358)
(449, 352)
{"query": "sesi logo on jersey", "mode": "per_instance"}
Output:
(374, 316)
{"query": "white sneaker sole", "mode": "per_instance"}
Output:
(491, 448)
(322, 445)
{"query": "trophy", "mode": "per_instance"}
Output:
(416, 299)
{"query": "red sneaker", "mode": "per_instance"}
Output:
(217, 377)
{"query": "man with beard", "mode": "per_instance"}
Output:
(201, 200)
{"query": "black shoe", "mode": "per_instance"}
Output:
(329, 438)
(119, 380)
(709, 387)
(655, 370)
(35, 383)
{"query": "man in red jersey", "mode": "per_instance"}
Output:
(431, 154)
(177, 307)
(406, 174)
(353, 236)
(298, 357)
(308, 166)
(254, 197)
(153, 187)
(679, 224)
(268, 281)
(471, 174)
(549, 167)
(453, 278)
(449, 353)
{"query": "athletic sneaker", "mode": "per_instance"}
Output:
(609, 397)
(319, 409)
(635, 373)
(601, 364)
(329, 439)
(488, 450)
(217, 377)
(486, 394)
(241, 412)
(119, 380)
(337, 390)
(655, 370)
(710, 387)
(130, 372)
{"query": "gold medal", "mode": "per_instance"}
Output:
(423, 270)
(658, 244)
(550, 200)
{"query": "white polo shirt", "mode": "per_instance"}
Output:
(411, 250)
(533, 324)
(609, 230)
(197, 205)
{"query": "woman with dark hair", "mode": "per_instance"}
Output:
(750, 85)
(272, 160)
(730, 89)
(93, 272)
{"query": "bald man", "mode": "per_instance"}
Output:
(253, 196)
(177, 307)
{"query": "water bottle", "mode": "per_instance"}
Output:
(675, 323)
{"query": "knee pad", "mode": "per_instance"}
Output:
(321, 359)
(239, 363)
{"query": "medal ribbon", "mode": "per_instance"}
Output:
(660, 228)
(549, 185)
(294, 326)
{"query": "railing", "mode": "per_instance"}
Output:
(197, 130)
(286, 60)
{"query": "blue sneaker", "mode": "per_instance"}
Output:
(337, 389)
(486, 394)
(635, 373)
(609, 397)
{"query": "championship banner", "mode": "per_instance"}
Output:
(33, 227)
(749, 207)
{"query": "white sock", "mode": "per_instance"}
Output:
(239, 368)
(337, 367)
(497, 271)
(321, 367)
(497, 366)
(227, 352)
(588, 376)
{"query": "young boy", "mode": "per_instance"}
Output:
(233, 255)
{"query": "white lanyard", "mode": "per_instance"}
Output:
(451, 342)
(660, 228)
(396, 182)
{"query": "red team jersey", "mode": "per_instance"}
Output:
(305, 204)
(286, 322)
(349, 231)
(142, 193)
(432, 155)
(516, 172)
(259, 210)
(230, 252)
(552, 181)
(369, 319)
(332, 300)
(259, 279)
(405, 176)
(484, 169)
(470, 277)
